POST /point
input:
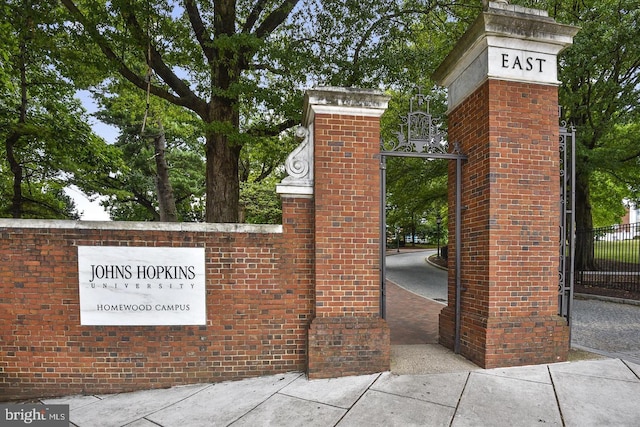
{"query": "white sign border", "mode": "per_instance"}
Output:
(124, 297)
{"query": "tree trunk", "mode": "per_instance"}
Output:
(223, 185)
(13, 139)
(223, 159)
(166, 200)
(584, 224)
(16, 170)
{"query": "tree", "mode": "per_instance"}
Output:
(417, 188)
(164, 176)
(261, 169)
(47, 143)
(600, 94)
(232, 61)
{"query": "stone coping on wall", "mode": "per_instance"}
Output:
(142, 226)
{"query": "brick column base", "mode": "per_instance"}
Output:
(447, 327)
(342, 346)
(496, 342)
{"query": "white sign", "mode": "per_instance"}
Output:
(522, 65)
(141, 285)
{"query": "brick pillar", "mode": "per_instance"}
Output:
(347, 336)
(503, 110)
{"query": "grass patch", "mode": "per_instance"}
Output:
(621, 250)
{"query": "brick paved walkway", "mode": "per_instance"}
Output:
(412, 319)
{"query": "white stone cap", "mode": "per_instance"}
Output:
(505, 42)
(325, 100)
(504, 5)
(345, 101)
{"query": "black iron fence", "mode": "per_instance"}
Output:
(616, 257)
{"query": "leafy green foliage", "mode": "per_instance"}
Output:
(615, 174)
(132, 192)
(416, 188)
(226, 80)
(600, 95)
(240, 66)
(260, 203)
(46, 141)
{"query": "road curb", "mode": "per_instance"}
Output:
(439, 267)
(607, 299)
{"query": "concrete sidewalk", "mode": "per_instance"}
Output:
(603, 392)
(428, 386)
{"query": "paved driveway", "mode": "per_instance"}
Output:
(411, 271)
(608, 328)
(611, 329)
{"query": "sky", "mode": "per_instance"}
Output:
(90, 210)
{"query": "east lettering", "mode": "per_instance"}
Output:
(526, 64)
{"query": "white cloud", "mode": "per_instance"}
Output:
(90, 210)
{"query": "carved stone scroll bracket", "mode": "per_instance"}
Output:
(299, 167)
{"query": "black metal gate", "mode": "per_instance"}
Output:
(420, 136)
(567, 227)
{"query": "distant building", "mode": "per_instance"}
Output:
(633, 214)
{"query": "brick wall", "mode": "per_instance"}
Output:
(304, 295)
(509, 131)
(259, 298)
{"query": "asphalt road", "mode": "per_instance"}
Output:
(611, 329)
(411, 271)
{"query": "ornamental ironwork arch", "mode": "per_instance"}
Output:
(420, 134)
